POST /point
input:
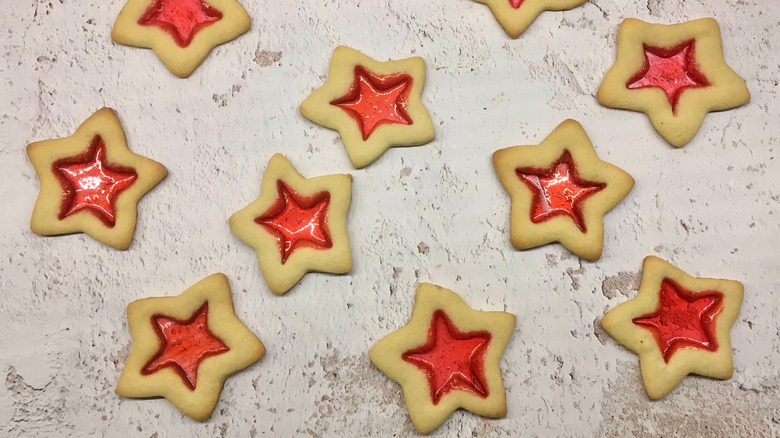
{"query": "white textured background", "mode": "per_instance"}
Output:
(435, 213)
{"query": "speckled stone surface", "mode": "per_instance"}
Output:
(435, 213)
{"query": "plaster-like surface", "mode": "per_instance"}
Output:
(435, 213)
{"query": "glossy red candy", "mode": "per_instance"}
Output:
(298, 221)
(90, 183)
(452, 360)
(516, 3)
(670, 69)
(180, 18)
(375, 100)
(184, 344)
(683, 319)
(558, 190)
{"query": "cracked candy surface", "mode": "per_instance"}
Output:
(184, 345)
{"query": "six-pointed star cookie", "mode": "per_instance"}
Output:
(184, 347)
(182, 33)
(91, 182)
(560, 191)
(675, 74)
(516, 15)
(297, 225)
(678, 325)
(447, 357)
(373, 105)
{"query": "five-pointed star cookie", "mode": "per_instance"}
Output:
(675, 74)
(297, 225)
(182, 33)
(560, 191)
(516, 15)
(91, 182)
(446, 358)
(678, 325)
(184, 347)
(373, 105)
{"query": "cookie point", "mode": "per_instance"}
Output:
(652, 259)
(123, 245)
(220, 276)
(277, 157)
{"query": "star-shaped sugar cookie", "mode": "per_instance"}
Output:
(297, 225)
(675, 74)
(447, 357)
(516, 15)
(91, 183)
(373, 105)
(678, 325)
(182, 33)
(560, 191)
(184, 347)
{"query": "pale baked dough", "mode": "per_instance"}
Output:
(317, 107)
(726, 90)
(387, 356)
(568, 136)
(516, 21)
(181, 61)
(337, 259)
(661, 377)
(244, 348)
(45, 217)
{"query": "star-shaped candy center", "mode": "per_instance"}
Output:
(516, 3)
(558, 190)
(452, 360)
(375, 100)
(670, 69)
(683, 318)
(180, 18)
(89, 182)
(184, 344)
(298, 221)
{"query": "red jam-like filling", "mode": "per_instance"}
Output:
(89, 182)
(184, 344)
(180, 18)
(452, 360)
(683, 318)
(298, 221)
(375, 100)
(670, 69)
(516, 3)
(558, 190)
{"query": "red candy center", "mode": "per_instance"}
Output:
(452, 360)
(670, 69)
(558, 190)
(516, 3)
(180, 18)
(184, 344)
(298, 221)
(375, 100)
(683, 318)
(89, 182)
